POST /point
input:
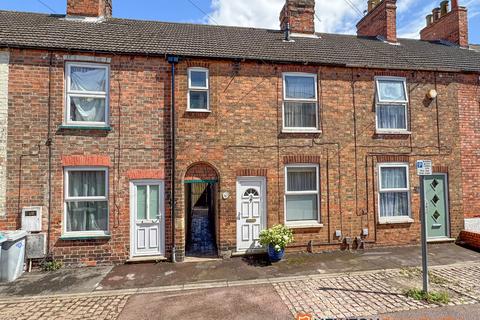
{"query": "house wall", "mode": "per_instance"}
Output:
(135, 148)
(244, 132)
(241, 136)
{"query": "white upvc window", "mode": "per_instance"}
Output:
(198, 90)
(302, 194)
(86, 201)
(394, 192)
(300, 102)
(87, 94)
(391, 105)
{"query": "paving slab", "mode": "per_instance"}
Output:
(258, 302)
(299, 264)
(66, 280)
(464, 312)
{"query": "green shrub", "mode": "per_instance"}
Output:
(52, 265)
(278, 236)
(430, 297)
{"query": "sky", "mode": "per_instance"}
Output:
(336, 16)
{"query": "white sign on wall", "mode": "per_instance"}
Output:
(424, 167)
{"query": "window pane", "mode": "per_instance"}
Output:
(154, 197)
(301, 179)
(141, 202)
(86, 184)
(88, 79)
(300, 115)
(391, 90)
(298, 87)
(391, 117)
(394, 204)
(394, 177)
(87, 216)
(87, 109)
(199, 100)
(198, 79)
(302, 207)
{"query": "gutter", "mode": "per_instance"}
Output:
(173, 60)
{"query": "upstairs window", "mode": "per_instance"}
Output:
(198, 90)
(391, 104)
(300, 103)
(87, 94)
(394, 191)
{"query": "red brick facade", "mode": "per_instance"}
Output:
(241, 136)
(89, 8)
(381, 20)
(472, 239)
(299, 15)
(452, 27)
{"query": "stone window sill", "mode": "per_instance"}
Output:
(73, 237)
(68, 127)
(395, 220)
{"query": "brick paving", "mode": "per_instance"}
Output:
(68, 308)
(374, 293)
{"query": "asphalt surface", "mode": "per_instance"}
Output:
(255, 302)
(463, 312)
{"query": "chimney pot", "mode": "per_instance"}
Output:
(429, 19)
(443, 8)
(436, 14)
(89, 8)
(299, 15)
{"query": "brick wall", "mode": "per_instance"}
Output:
(136, 148)
(242, 135)
(4, 59)
(380, 21)
(469, 108)
(471, 239)
(89, 8)
(452, 27)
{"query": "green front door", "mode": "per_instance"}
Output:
(436, 206)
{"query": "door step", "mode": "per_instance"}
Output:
(147, 259)
(442, 240)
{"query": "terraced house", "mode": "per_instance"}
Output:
(146, 140)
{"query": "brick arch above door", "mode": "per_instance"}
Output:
(201, 171)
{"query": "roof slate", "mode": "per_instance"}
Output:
(123, 36)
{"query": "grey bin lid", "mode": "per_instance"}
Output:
(13, 235)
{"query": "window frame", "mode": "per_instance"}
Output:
(67, 199)
(397, 219)
(315, 100)
(380, 102)
(302, 223)
(198, 89)
(86, 94)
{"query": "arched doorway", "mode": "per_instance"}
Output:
(201, 181)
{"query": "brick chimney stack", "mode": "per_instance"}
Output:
(381, 20)
(447, 25)
(89, 8)
(299, 15)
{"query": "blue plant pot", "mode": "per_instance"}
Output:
(274, 255)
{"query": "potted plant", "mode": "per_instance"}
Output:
(276, 239)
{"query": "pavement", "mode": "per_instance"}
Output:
(364, 284)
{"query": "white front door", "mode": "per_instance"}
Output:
(251, 212)
(147, 218)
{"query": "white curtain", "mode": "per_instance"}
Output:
(301, 179)
(86, 215)
(300, 87)
(391, 117)
(394, 204)
(391, 90)
(88, 79)
(300, 115)
(87, 109)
